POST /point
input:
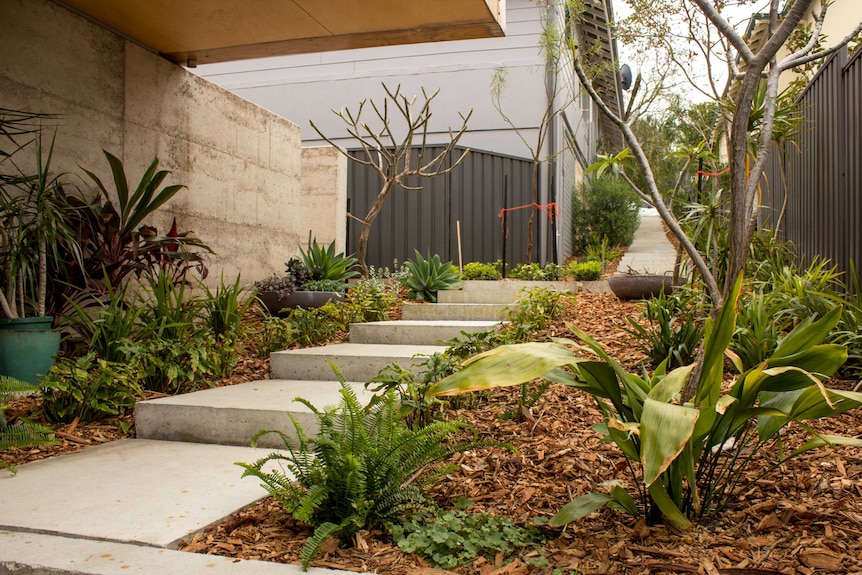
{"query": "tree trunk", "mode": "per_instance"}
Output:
(534, 193)
(372, 214)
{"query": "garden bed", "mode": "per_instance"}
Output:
(805, 518)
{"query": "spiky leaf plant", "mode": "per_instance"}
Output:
(428, 276)
(364, 468)
(24, 433)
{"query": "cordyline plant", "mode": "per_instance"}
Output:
(688, 458)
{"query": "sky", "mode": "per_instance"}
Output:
(641, 62)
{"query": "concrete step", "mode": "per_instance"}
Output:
(453, 311)
(231, 415)
(132, 491)
(357, 361)
(414, 332)
(500, 292)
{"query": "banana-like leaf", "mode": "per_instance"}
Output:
(664, 431)
(824, 359)
(504, 366)
(668, 508)
(585, 504)
(824, 440)
(802, 405)
(715, 343)
(669, 387)
(806, 335)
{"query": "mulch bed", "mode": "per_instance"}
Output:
(805, 517)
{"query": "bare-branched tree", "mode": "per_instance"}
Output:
(387, 146)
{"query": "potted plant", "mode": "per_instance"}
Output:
(34, 228)
(319, 277)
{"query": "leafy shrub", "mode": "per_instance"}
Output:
(272, 334)
(371, 299)
(603, 207)
(225, 306)
(172, 350)
(314, 326)
(428, 276)
(674, 329)
(363, 470)
(533, 311)
(585, 271)
(89, 389)
(687, 454)
(325, 264)
(535, 272)
(480, 271)
(114, 239)
(417, 407)
(106, 321)
(457, 538)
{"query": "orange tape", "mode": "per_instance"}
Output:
(549, 209)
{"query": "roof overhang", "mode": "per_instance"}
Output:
(208, 31)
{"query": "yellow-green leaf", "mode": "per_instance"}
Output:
(665, 429)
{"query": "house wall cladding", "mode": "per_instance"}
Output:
(824, 175)
(426, 219)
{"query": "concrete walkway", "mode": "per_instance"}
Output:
(651, 252)
(123, 507)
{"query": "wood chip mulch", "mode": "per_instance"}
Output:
(804, 518)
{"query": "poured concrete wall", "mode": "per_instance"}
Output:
(241, 164)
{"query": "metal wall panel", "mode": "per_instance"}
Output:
(426, 219)
(824, 211)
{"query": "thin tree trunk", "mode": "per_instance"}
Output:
(782, 162)
(366, 226)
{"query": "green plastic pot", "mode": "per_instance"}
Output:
(28, 347)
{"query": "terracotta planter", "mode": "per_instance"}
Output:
(640, 286)
(305, 299)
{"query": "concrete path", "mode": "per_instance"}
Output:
(651, 252)
(123, 507)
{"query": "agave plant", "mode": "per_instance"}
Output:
(325, 264)
(428, 276)
(692, 452)
(363, 469)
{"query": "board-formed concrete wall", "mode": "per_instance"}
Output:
(242, 165)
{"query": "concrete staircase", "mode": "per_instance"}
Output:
(232, 415)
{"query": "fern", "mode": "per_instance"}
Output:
(363, 469)
(25, 433)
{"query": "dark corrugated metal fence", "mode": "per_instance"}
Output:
(425, 219)
(824, 211)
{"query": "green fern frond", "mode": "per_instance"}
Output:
(309, 503)
(25, 434)
(312, 546)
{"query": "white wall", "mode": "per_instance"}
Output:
(308, 87)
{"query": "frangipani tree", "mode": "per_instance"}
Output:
(386, 146)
